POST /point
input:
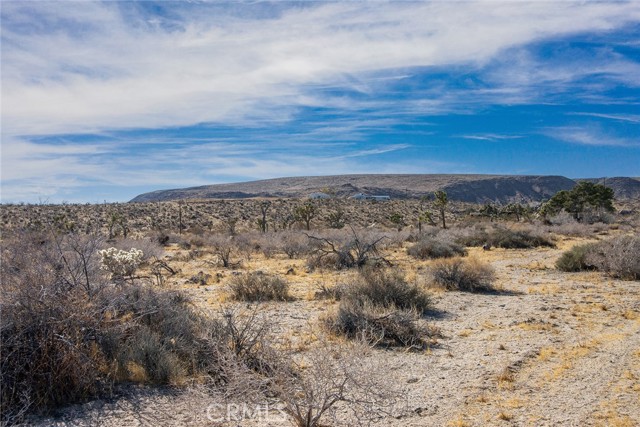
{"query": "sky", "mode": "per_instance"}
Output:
(102, 101)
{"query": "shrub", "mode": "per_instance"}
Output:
(518, 239)
(428, 248)
(462, 275)
(381, 308)
(358, 251)
(379, 326)
(387, 288)
(120, 263)
(574, 259)
(505, 238)
(63, 341)
(258, 287)
(619, 257)
(294, 244)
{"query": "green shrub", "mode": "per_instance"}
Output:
(462, 275)
(258, 287)
(429, 248)
(574, 259)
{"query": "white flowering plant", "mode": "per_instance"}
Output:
(120, 263)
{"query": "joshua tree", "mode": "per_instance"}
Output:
(441, 203)
(264, 208)
(305, 213)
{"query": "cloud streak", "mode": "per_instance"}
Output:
(589, 135)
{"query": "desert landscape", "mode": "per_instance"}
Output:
(373, 306)
(319, 213)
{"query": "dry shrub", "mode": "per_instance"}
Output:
(381, 308)
(387, 288)
(356, 250)
(64, 341)
(257, 286)
(566, 225)
(429, 248)
(618, 257)
(224, 247)
(462, 275)
(335, 386)
(294, 244)
(379, 326)
(505, 238)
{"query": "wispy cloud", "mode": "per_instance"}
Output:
(631, 118)
(589, 135)
(490, 137)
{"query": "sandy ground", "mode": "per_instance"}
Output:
(550, 349)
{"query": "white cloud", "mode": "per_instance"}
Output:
(100, 69)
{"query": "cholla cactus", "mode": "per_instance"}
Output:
(120, 263)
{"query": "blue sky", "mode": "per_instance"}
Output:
(106, 100)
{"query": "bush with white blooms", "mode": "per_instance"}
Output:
(120, 263)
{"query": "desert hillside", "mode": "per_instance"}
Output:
(465, 188)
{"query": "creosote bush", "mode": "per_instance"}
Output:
(257, 286)
(429, 248)
(462, 275)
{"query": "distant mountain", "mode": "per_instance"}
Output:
(467, 188)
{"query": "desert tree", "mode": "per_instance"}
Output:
(264, 209)
(490, 211)
(336, 219)
(441, 202)
(397, 219)
(283, 218)
(305, 213)
(424, 214)
(117, 221)
(584, 197)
